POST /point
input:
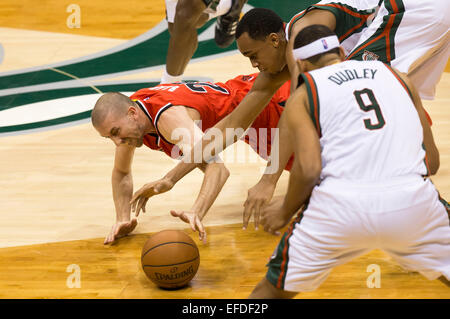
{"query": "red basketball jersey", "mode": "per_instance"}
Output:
(213, 101)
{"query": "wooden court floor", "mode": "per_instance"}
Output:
(55, 200)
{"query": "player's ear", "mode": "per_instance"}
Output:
(274, 39)
(132, 111)
(301, 65)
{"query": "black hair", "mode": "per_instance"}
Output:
(259, 23)
(310, 34)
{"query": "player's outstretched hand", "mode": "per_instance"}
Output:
(258, 197)
(274, 217)
(140, 197)
(120, 229)
(193, 220)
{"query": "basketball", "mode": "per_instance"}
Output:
(170, 258)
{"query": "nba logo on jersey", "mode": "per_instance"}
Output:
(325, 44)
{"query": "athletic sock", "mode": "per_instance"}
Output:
(167, 78)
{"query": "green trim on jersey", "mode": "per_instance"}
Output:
(313, 99)
(349, 20)
(446, 206)
(276, 274)
(381, 45)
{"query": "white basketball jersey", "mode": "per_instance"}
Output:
(368, 125)
(352, 17)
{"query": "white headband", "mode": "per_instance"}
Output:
(319, 46)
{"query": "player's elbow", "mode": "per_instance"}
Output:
(309, 171)
(224, 172)
(312, 172)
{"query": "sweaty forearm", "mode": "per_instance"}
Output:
(122, 188)
(180, 170)
(215, 177)
(279, 156)
(232, 127)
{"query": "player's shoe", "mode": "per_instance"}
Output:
(227, 23)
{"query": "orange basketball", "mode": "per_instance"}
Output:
(170, 258)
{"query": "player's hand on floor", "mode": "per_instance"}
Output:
(274, 217)
(193, 220)
(140, 197)
(120, 229)
(258, 197)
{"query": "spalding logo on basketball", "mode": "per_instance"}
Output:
(170, 258)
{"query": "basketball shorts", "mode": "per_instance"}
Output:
(413, 37)
(404, 218)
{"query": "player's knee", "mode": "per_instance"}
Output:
(188, 14)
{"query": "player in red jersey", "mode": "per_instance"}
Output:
(164, 118)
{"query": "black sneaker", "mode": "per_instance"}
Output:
(227, 23)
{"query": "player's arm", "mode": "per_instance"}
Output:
(243, 116)
(432, 152)
(307, 162)
(216, 174)
(122, 189)
(261, 194)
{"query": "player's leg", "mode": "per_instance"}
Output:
(266, 290)
(418, 237)
(325, 235)
(183, 36)
(444, 281)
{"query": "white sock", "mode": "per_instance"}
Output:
(167, 78)
(222, 8)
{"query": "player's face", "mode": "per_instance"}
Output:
(123, 130)
(267, 55)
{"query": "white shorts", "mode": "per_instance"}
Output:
(342, 221)
(171, 9)
(415, 40)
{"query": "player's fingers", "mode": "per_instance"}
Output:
(267, 228)
(180, 215)
(139, 206)
(201, 230)
(192, 222)
(256, 218)
(133, 204)
(135, 198)
(199, 225)
(247, 214)
(145, 204)
(109, 239)
(257, 213)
